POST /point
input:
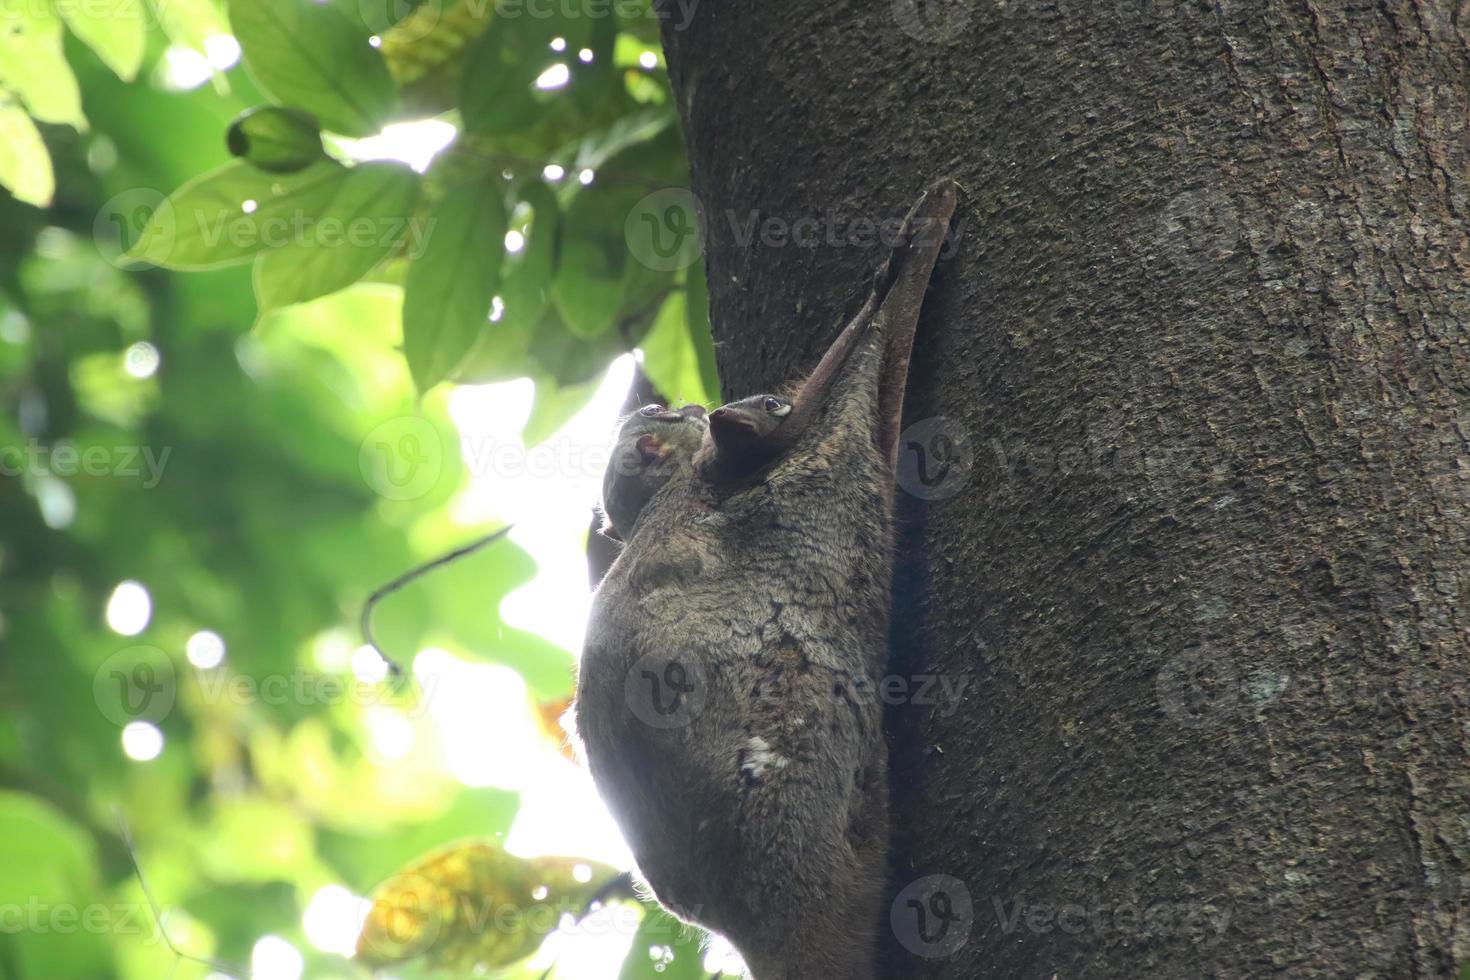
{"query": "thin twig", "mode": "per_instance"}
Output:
(158, 915)
(366, 620)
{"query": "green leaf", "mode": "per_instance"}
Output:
(275, 139)
(446, 300)
(25, 166)
(570, 359)
(639, 127)
(609, 268)
(525, 286)
(664, 949)
(591, 274)
(116, 32)
(497, 93)
(32, 63)
(499, 352)
(49, 864)
(56, 855)
(253, 838)
(369, 216)
(205, 224)
(554, 406)
(311, 55)
(189, 22)
(670, 358)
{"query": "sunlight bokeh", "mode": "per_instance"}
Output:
(548, 493)
(481, 715)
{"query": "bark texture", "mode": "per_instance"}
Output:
(1205, 342)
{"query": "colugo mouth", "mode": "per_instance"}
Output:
(652, 449)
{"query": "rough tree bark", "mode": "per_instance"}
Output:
(1205, 338)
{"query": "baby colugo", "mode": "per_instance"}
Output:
(653, 444)
(727, 699)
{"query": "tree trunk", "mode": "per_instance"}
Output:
(1198, 560)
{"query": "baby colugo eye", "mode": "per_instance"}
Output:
(777, 406)
(652, 410)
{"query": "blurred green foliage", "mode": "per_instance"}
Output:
(198, 401)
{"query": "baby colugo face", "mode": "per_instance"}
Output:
(652, 445)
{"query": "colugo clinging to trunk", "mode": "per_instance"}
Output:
(727, 700)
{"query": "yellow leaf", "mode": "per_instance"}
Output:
(471, 907)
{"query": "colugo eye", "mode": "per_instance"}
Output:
(777, 406)
(652, 410)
